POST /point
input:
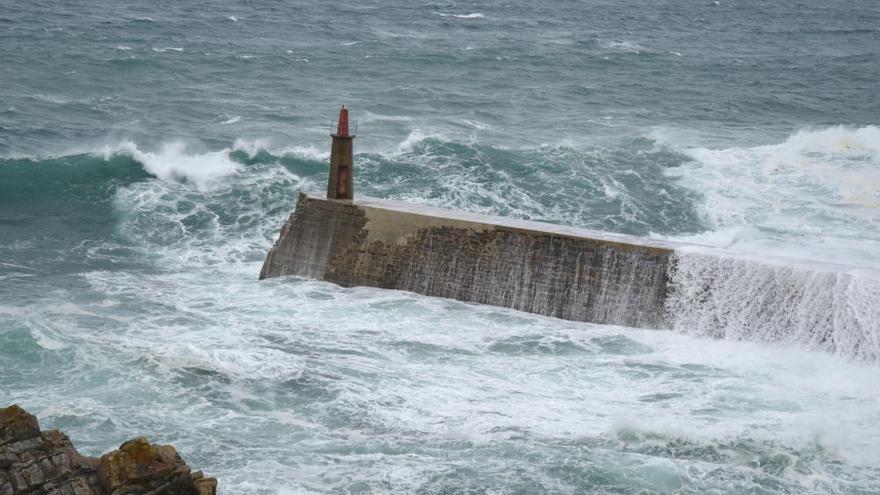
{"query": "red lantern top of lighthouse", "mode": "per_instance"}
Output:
(344, 127)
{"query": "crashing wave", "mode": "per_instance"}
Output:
(741, 298)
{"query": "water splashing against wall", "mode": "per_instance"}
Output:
(745, 299)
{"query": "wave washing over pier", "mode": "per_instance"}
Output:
(578, 274)
(828, 308)
(149, 156)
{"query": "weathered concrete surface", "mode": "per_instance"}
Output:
(45, 462)
(553, 270)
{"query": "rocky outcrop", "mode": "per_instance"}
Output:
(45, 462)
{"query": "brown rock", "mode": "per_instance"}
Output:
(34, 462)
(204, 486)
(17, 424)
(140, 466)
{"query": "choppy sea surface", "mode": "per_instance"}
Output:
(150, 152)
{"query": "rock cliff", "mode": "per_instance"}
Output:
(45, 462)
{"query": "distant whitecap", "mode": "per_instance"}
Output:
(625, 46)
(475, 15)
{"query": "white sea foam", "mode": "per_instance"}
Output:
(232, 120)
(738, 298)
(14, 265)
(208, 217)
(283, 361)
(474, 15)
(485, 376)
(251, 146)
(254, 146)
(57, 99)
(168, 48)
(367, 116)
(414, 138)
(307, 152)
(45, 341)
(625, 46)
(174, 163)
(480, 126)
(232, 18)
(815, 195)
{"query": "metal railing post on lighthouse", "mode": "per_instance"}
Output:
(340, 184)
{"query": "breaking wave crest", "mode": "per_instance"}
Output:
(623, 190)
(173, 162)
(815, 195)
(474, 15)
(615, 189)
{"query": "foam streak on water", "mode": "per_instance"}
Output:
(250, 377)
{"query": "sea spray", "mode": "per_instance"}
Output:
(814, 194)
(174, 162)
(743, 298)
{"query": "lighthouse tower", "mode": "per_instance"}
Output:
(339, 186)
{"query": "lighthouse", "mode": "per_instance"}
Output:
(339, 185)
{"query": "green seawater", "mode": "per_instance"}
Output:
(149, 154)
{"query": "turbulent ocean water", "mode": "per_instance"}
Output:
(150, 152)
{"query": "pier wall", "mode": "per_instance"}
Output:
(546, 269)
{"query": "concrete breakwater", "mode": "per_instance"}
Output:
(546, 269)
(578, 274)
